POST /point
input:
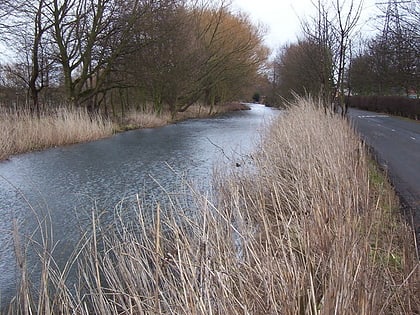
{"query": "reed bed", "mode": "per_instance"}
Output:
(147, 118)
(305, 226)
(22, 132)
(203, 111)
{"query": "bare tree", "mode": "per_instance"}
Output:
(332, 30)
(389, 63)
(175, 52)
(194, 52)
(235, 56)
(400, 40)
(90, 37)
(27, 31)
(298, 70)
(348, 14)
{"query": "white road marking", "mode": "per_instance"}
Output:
(393, 130)
(373, 116)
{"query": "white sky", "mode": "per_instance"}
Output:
(282, 17)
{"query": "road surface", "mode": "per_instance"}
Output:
(396, 143)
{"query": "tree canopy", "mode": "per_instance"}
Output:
(169, 53)
(324, 62)
(389, 63)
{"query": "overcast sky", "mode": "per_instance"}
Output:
(282, 17)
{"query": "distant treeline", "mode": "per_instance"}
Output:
(111, 56)
(394, 105)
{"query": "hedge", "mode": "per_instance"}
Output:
(394, 105)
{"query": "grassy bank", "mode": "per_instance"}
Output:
(23, 132)
(307, 226)
(148, 118)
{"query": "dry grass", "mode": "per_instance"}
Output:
(307, 228)
(201, 111)
(147, 118)
(22, 132)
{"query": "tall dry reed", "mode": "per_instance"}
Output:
(21, 131)
(199, 110)
(147, 118)
(304, 228)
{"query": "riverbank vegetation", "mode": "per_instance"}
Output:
(307, 225)
(135, 63)
(149, 118)
(21, 131)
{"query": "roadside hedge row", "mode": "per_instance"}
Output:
(394, 105)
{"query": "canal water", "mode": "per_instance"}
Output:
(63, 184)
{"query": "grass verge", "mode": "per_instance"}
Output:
(308, 227)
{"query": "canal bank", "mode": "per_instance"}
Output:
(65, 183)
(301, 225)
(22, 132)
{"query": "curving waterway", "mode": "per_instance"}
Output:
(65, 183)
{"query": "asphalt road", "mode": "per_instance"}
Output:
(396, 143)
